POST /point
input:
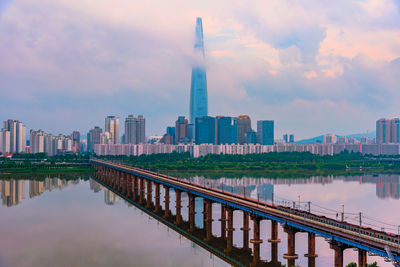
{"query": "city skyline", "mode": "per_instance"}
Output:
(312, 72)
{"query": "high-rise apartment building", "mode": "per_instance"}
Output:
(243, 126)
(388, 131)
(93, 137)
(140, 130)
(251, 137)
(205, 130)
(135, 130)
(13, 137)
(112, 126)
(181, 130)
(37, 141)
(226, 130)
(265, 132)
(198, 87)
(76, 141)
(330, 139)
(291, 138)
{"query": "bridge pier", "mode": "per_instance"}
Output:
(274, 240)
(166, 201)
(135, 187)
(178, 206)
(311, 255)
(120, 178)
(124, 183)
(192, 212)
(208, 219)
(141, 194)
(256, 241)
(129, 186)
(223, 221)
(157, 198)
(362, 258)
(149, 193)
(230, 229)
(245, 230)
(338, 248)
(291, 255)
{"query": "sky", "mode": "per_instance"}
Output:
(313, 66)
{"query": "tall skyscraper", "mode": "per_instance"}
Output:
(93, 137)
(140, 130)
(285, 138)
(130, 130)
(291, 138)
(181, 130)
(243, 126)
(112, 126)
(76, 141)
(205, 130)
(13, 135)
(265, 132)
(226, 130)
(198, 87)
(135, 130)
(388, 131)
(251, 137)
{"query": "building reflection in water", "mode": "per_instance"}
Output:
(387, 186)
(110, 198)
(13, 191)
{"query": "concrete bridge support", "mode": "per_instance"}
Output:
(166, 202)
(192, 212)
(149, 192)
(338, 248)
(274, 240)
(291, 255)
(142, 190)
(208, 219)
(256, 241)
(178, 206)
(135, 187)
(230, 229)
(129, 192)
(223, 221)
(362, 258)
(157, 198)
(311, 255)
(245, 230)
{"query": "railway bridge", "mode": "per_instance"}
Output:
(138, 184)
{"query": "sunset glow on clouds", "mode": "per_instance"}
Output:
(312, 66)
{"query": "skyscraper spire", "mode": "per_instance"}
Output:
(198, 88)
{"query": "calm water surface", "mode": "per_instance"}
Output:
(78, 222)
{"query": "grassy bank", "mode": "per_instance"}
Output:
(285, 164)
(45, 169)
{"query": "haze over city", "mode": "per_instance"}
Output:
(313, 67)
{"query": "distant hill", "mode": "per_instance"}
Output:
(320, 138)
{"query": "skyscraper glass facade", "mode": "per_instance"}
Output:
(198, 87)
(226, 130)
(205, 130)
(265, 132)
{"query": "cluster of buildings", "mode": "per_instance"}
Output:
(42, 142)
(236, 149)
(219, 130)
(12, 137)
(135, 132)
(201, 134)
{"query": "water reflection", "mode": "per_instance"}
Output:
(387, 186)
(12, 192)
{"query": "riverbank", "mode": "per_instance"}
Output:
(45, 169)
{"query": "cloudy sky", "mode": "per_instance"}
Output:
(313, 66)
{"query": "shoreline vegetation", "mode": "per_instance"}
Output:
(41, 164)
(272, 165)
